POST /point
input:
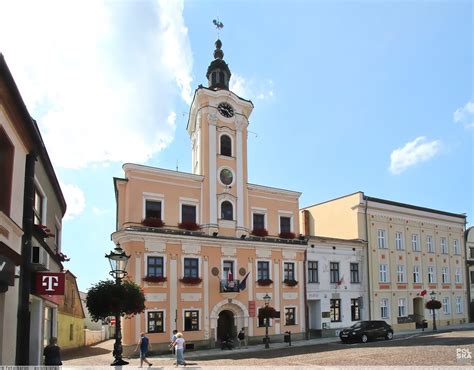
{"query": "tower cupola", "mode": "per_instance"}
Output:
(218, 73)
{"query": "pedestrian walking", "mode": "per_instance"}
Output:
(52, 353)
(173, 338)
(179, 346)
(241, 337)
(144, 346)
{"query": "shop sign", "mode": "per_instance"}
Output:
(7, 271)
(50, 283)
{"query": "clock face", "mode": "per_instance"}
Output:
(225, 109)
(226, 176)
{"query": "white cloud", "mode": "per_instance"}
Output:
(247, 89)
(99, 92)
(412, 153)
(98, 211)
(75, 199)
(465, 115)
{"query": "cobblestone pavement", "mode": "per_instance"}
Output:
(427, 349)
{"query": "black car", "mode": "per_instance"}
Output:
(365, 330)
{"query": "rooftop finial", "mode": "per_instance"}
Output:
(219, 25)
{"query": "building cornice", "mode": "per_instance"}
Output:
(268, 189)
(162, 171)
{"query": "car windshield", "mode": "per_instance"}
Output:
(358, 325)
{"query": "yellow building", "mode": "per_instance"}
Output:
(208, 246)
(70, 315)
(414, 254)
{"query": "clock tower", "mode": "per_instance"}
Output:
(217, 127)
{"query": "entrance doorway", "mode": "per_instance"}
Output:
(226, 325)
(418, 309)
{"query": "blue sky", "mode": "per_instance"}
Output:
(349, 95)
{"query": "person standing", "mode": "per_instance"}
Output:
(173, 338)
(144, 346)
(241, 337)
(52, 353)
(179, 346)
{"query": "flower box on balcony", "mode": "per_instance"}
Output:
(43, 231)
(290, 282)
(260, 232)
(287, 235)
(264, 282)
(154, 279)
(153, 222)
(189, 225)
(190, 280)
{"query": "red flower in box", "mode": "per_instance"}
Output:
(153, 222)
(190, 280)
(189, 225)
(155, 279)
(264, 282)
(290, 282)
(287, 235)
(260, 232)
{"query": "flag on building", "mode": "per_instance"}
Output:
(243, 283)
(423, 292)
(340, 281)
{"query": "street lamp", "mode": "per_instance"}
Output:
(433, 296)
(118, 264)
(266, 299)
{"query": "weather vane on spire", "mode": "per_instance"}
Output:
(219, 25)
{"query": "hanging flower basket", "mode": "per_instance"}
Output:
(154, 279)
(267, 313)
(290, 282)
(433, 305)
(153, 222)
(43, 231)
(264, 282)
(189, 225)
(260, 232)
(191, 280)
(287, 235)
(62, 257)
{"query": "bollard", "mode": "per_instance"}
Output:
(288, 337)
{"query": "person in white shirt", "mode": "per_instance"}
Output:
(178, 344)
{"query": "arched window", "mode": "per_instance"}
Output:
(226, 146)
(214, 78)
(221, 78)
(227, 212)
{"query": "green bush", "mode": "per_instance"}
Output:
(106, 298)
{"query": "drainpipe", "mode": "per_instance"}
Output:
(368, 258)
(467, 279)
(23, 326)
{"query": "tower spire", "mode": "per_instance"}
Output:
(218, 73)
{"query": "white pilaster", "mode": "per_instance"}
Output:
(301, 283)
(276, 291)
(250, 282)
(240, 175)
(212, 169)
(207, 328)
(173, 281)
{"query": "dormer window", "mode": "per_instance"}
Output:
(226, 146)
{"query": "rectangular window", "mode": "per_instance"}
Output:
(289, 271)
(263, 270)
(191, 320)
(155, 266)
(7, 153)
(381, 239)
(416, 274)
(285, 224)
(444, 275)
(313, 272)
(258, 221)
(431, 274)
(399, 241)
(335, 310)
(429, 244)
(443, 246)
(355, 273)
(383, 273)
(153, 209)
(155, 321)
(57, 237)
(384, 308)
(456, 248)
(38, 207)
(459, 305)
(446, 306)
(355, 309)
(228, 269)
(71, 331)
(471, 253)
(414, 243)
(458, 276)
(334, 271)
(290, 316)
(401, 274)
(472, 276)
(191, 267)
(402, 307)
(188, 213)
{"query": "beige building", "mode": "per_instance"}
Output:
(207, 246)
(470, 270)
(414, 254)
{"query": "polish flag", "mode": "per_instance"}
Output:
(423, 292)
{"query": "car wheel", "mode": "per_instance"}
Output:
(364, 338)
(389, 335)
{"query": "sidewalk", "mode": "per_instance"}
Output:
(217, 352)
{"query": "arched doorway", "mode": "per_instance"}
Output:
(418, 309)
(225, 324)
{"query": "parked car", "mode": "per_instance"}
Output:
(366, 330)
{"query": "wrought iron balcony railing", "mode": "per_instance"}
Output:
(229, 286)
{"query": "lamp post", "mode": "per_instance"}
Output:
(266, 299)
(433, 296)
(118, 269)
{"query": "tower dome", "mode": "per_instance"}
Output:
(218, 73)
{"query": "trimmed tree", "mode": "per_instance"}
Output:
(106, 298)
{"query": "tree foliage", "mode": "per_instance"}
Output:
(433, 305)
(106, 298)
(267, 312)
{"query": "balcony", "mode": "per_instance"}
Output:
(227, 286)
